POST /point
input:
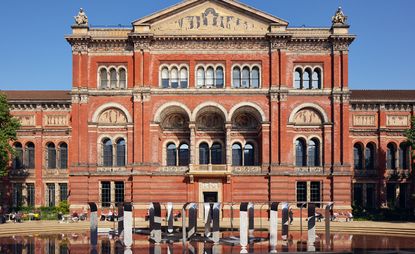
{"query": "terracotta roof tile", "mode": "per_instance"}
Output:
(383, 95)
(50, 95)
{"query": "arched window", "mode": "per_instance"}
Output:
(63, 156)
(123, 78)
(314, 153)
(307, 79)
(171, 155)
(236, 154)
(255, 77)
(300, 153)
(236, 76)
(183, 78)
(391, 156)
(51, 155)
(245, 77)
(184, 155)
(107, 153)
(121, 152)
(174, 73)
(165, 81)
(200, 77)
(216, 153)
(204, 154)
(210, 77)
(219, 78)
(249, 155)
(30, 155)
(404, 156)
(103, 78)
(370, 156)
(18, 159)
(113, 78)
(358, 156)
(316, 79)
(297, 79)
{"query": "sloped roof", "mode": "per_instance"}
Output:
(383, 95)
(32, 95)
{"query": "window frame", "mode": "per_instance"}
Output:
(310, 69)
(247, 78)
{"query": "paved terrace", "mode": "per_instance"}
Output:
(355, 227)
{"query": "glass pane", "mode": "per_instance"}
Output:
(370, 157)
(217, 153)
(316, 79)
(165, 78)
(171, 155)
(113, 78)
(63, 191)
(119, 192)
(391, 156)
(219, 78)
(301, 192)
(245, 78)
(123, 78)
(403, 156)
(315, 195)
(103, 78)
(209, 77)
(63, 160)
(236, 155)
(297, 79)
(174, 78)
(313, 153)
(51, 156)
(107, 152)
(51, 194)
(30, 194)
(121, 153)
(183, 78)
(184, 155)
(307, 79)
(105, 194)
(203, 154)
(249, 157)
(18, 159)
(255, 78)
(358, 157)
(300, 154)
(236, 76)
(30, 155)
(200, 77)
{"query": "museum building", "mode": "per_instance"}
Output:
(211, 100)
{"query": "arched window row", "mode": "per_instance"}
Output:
(25, 156)
(56, 155)
(246, 76)
(243, 155)
(210, 76)
(214, 154)
(308, 78)
(397, 156)
(113, 153)
(174, 76)
(307, 153)
(177, 155)
(364, 157)
(112, 77)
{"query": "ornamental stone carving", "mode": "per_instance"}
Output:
(233, 45)
(278, 44)
(175, 121)
(210, 186)
(339, 18)
(341, 45)
(81, 19)
(79, 47)
(26, 120)
(210, 121)
(397, 121)
(56, 120)
(305, 46)
(244, 121)
(307, 117)
(112, 116)
(364, 120)
(142, 45)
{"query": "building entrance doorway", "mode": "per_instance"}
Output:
(210, 197)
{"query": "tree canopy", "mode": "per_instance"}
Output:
(8, 133)
(410, 135)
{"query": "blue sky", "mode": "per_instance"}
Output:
(34, 54)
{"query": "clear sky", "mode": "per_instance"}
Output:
(34, 54)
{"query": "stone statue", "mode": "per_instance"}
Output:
(339, 18)
(81, 19)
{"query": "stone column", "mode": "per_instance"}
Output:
(24, 194)
(228, 127)
(112, 188)
(192, 127)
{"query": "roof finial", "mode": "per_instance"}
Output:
(339, 18)
(81, 19)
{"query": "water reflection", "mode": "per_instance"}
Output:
(79, 244)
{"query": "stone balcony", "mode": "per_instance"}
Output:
(21, 173)
(397, 174)
(210, 170)
(365, 173)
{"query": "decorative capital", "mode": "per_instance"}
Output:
(339, 18)
(337, 98)
(278, 44)
(143, 44)
(80, 47)
(75, 98)
(84, 98)
(137, 97)
(81, 19)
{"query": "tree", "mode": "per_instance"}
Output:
(8, 133)
(410, 135)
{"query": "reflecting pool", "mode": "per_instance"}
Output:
(69, 243)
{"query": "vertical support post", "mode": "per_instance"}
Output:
(216, 226)
(251, 216)
(208, 219)
(327, 215)
(151, 219)
(170, 217)
(192, 220)
(311, 227)
(273, 227)
(285, 221)
(128, 224)
(93, 224)
(184, 230)
(157, 222)
(121, 220)
(243, 227)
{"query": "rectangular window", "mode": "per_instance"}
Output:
(370, 195)
(51, 246)
(17, 194)
(315, 194)
(105, 194)
(30, 194)
(64, 158)
(301, 192)
(358, 195)
(63, 191)
(63, 249)
(391, 194)
(119, 192)
(50, 194)
(30, 246)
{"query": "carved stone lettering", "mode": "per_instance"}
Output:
(112, 116)
(397, 121)
(26, 120)
(307, 117)
(56, 120)
(364, 120)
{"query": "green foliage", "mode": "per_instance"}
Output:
(46, 213)
(410, 135)
(382, 214)
(8, 132)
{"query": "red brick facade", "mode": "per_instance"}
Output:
(297, 133)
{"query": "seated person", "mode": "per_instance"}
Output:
(319, 216)
(18, 217)
(110, 216)
(349, 217)
(75, 216)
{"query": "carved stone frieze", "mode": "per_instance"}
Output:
(246, 170)
(364, 120)
(171, 169)
(142, 44)
(26, 120)
(175, 121)
(307, 117)
(397, 121)
(364, 107)
(56, 120)
(112, 116)
(210, 121)
(278, 44)
(229, 45)
(83, 98)
(309, 46)
(341, 45)
(110, 46)
(40, 106)
(244, 121)
(80, 47)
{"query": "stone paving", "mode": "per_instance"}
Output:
(355, 227)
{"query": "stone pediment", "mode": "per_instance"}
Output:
(209, 17)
